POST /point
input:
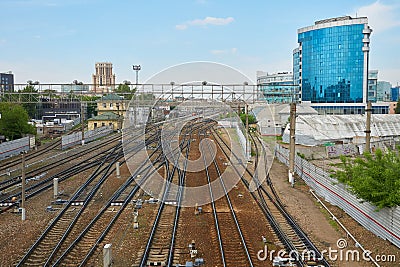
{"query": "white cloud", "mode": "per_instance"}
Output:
(204, 22)
(181, 27)
(380, 17)
(225, 51)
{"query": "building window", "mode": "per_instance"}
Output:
(103, 124)
(95, 125)
(111, 105)
(104, 105)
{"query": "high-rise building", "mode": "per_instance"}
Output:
(384, 91)
(277, 87)
(372, 85)
(6, 82)
(103, 79)
(334, 60)
(331, 64)
(395, 95)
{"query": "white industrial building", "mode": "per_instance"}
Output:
(272, 118)
(313, 130)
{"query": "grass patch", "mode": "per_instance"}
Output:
(327, 215)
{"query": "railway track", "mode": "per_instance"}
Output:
(296, 236)
(7, 165)
(233, 247)
(40, 183)
(159, 249)
(47, 250)
(78, 251)
(59, 160)
(68, 216)
(36, 186)
(291, 236)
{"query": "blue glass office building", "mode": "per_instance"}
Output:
(277, 87)
(332, 60)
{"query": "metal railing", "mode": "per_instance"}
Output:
(385, 223)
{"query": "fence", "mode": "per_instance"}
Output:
(12, 148)
(71, 140)
(97, 133)
(335, 151)
(76, 138)
(384, 223)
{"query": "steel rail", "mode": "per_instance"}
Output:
(117, 156)
(87, 199)
(33, 173)
(74, 197)
(127, 183)
(161, 208)
(288, 244)
(170, 176)
(229, 204)
(277, 202)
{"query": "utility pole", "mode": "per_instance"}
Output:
(368, 128)
(23, 214)
(247, 133)
(367, 32)
(83, 124)
(136, 68)
(292, 143)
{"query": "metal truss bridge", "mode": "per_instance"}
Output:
(167, 92)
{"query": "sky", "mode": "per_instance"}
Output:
(58, 41)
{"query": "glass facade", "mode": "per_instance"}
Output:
(395, 95)
(6, 82)
(331, 63)
(277, 88)
(384, 90)
(296, 66)
(346, 110)
(66, 88)
(372, 85)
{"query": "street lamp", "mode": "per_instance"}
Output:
(203, 83)
(172, 90)
(30, 82)
(76, 82)
(137, 68)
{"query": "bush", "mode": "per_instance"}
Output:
(374, 177)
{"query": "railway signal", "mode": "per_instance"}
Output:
(23, 213)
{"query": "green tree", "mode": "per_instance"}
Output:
(29, 98)
(252, 118)
(373, 177)
(49, 93)
(91, 104)
(397, 110)
(125, 90)
(14, 121)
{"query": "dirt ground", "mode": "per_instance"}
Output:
(17, 236)
(201, 228)
(323, 231)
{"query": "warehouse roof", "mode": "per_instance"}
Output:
(318, 129)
